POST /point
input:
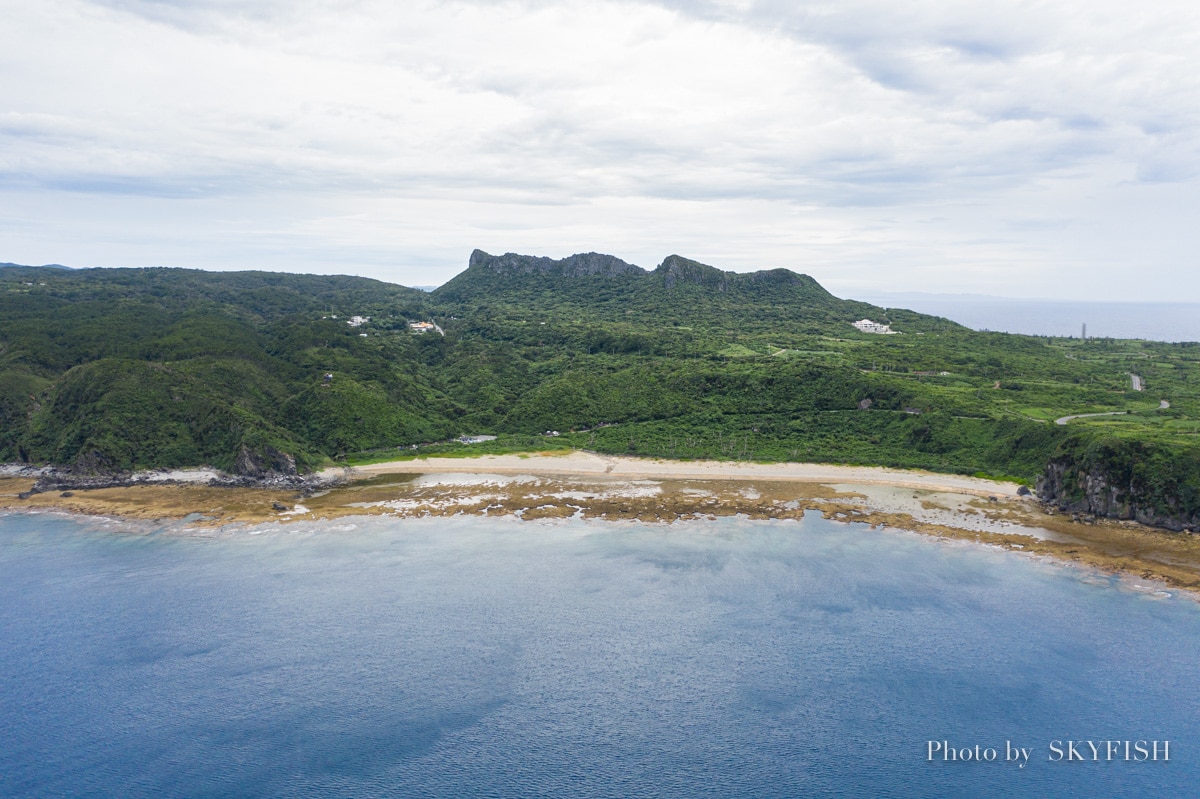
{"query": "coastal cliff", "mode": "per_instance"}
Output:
(1129, 480)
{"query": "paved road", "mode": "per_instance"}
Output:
(1162, 406)
(1065, 419)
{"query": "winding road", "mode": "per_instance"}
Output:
(1138, 385)
(1162, 406)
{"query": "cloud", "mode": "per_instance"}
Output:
(489, 119)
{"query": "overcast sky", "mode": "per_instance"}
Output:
(1028, 149)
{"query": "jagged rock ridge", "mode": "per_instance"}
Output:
(579, 265)
(675, 270)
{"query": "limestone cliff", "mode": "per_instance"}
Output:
(1123, 480)
(579, 265)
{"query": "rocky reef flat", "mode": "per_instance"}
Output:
(542, 488)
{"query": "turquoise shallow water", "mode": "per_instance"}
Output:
(479, 657)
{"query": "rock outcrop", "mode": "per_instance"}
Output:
(579, 265)
(676, 269)
(1096, 491)
(264, 462)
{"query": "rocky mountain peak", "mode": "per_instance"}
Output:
(578, 265)
(676, 269)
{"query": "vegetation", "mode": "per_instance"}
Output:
(132, 368)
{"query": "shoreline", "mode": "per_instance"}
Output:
(590, 486)
(578, 463)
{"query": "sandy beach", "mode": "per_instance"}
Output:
(590, 464)
(548, 486)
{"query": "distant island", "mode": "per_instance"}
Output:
(271, 376)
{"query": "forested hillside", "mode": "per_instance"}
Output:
(111, 369)
(126, 368)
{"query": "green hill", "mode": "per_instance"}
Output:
(129, 368)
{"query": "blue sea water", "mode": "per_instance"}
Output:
(1154, 321)
(475, 657)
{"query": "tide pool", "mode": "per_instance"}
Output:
(476, 657)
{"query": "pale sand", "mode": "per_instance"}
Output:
(589, 464)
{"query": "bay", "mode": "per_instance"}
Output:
(477, 657)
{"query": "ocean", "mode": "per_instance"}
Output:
(484, 657)
(1153, 321)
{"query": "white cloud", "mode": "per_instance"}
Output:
(1007, 148)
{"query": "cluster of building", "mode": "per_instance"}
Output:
(413, 327)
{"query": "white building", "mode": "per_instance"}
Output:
(867, 326)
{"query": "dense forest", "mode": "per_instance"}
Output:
(103, 370)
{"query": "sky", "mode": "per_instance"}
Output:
(1021, 149)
